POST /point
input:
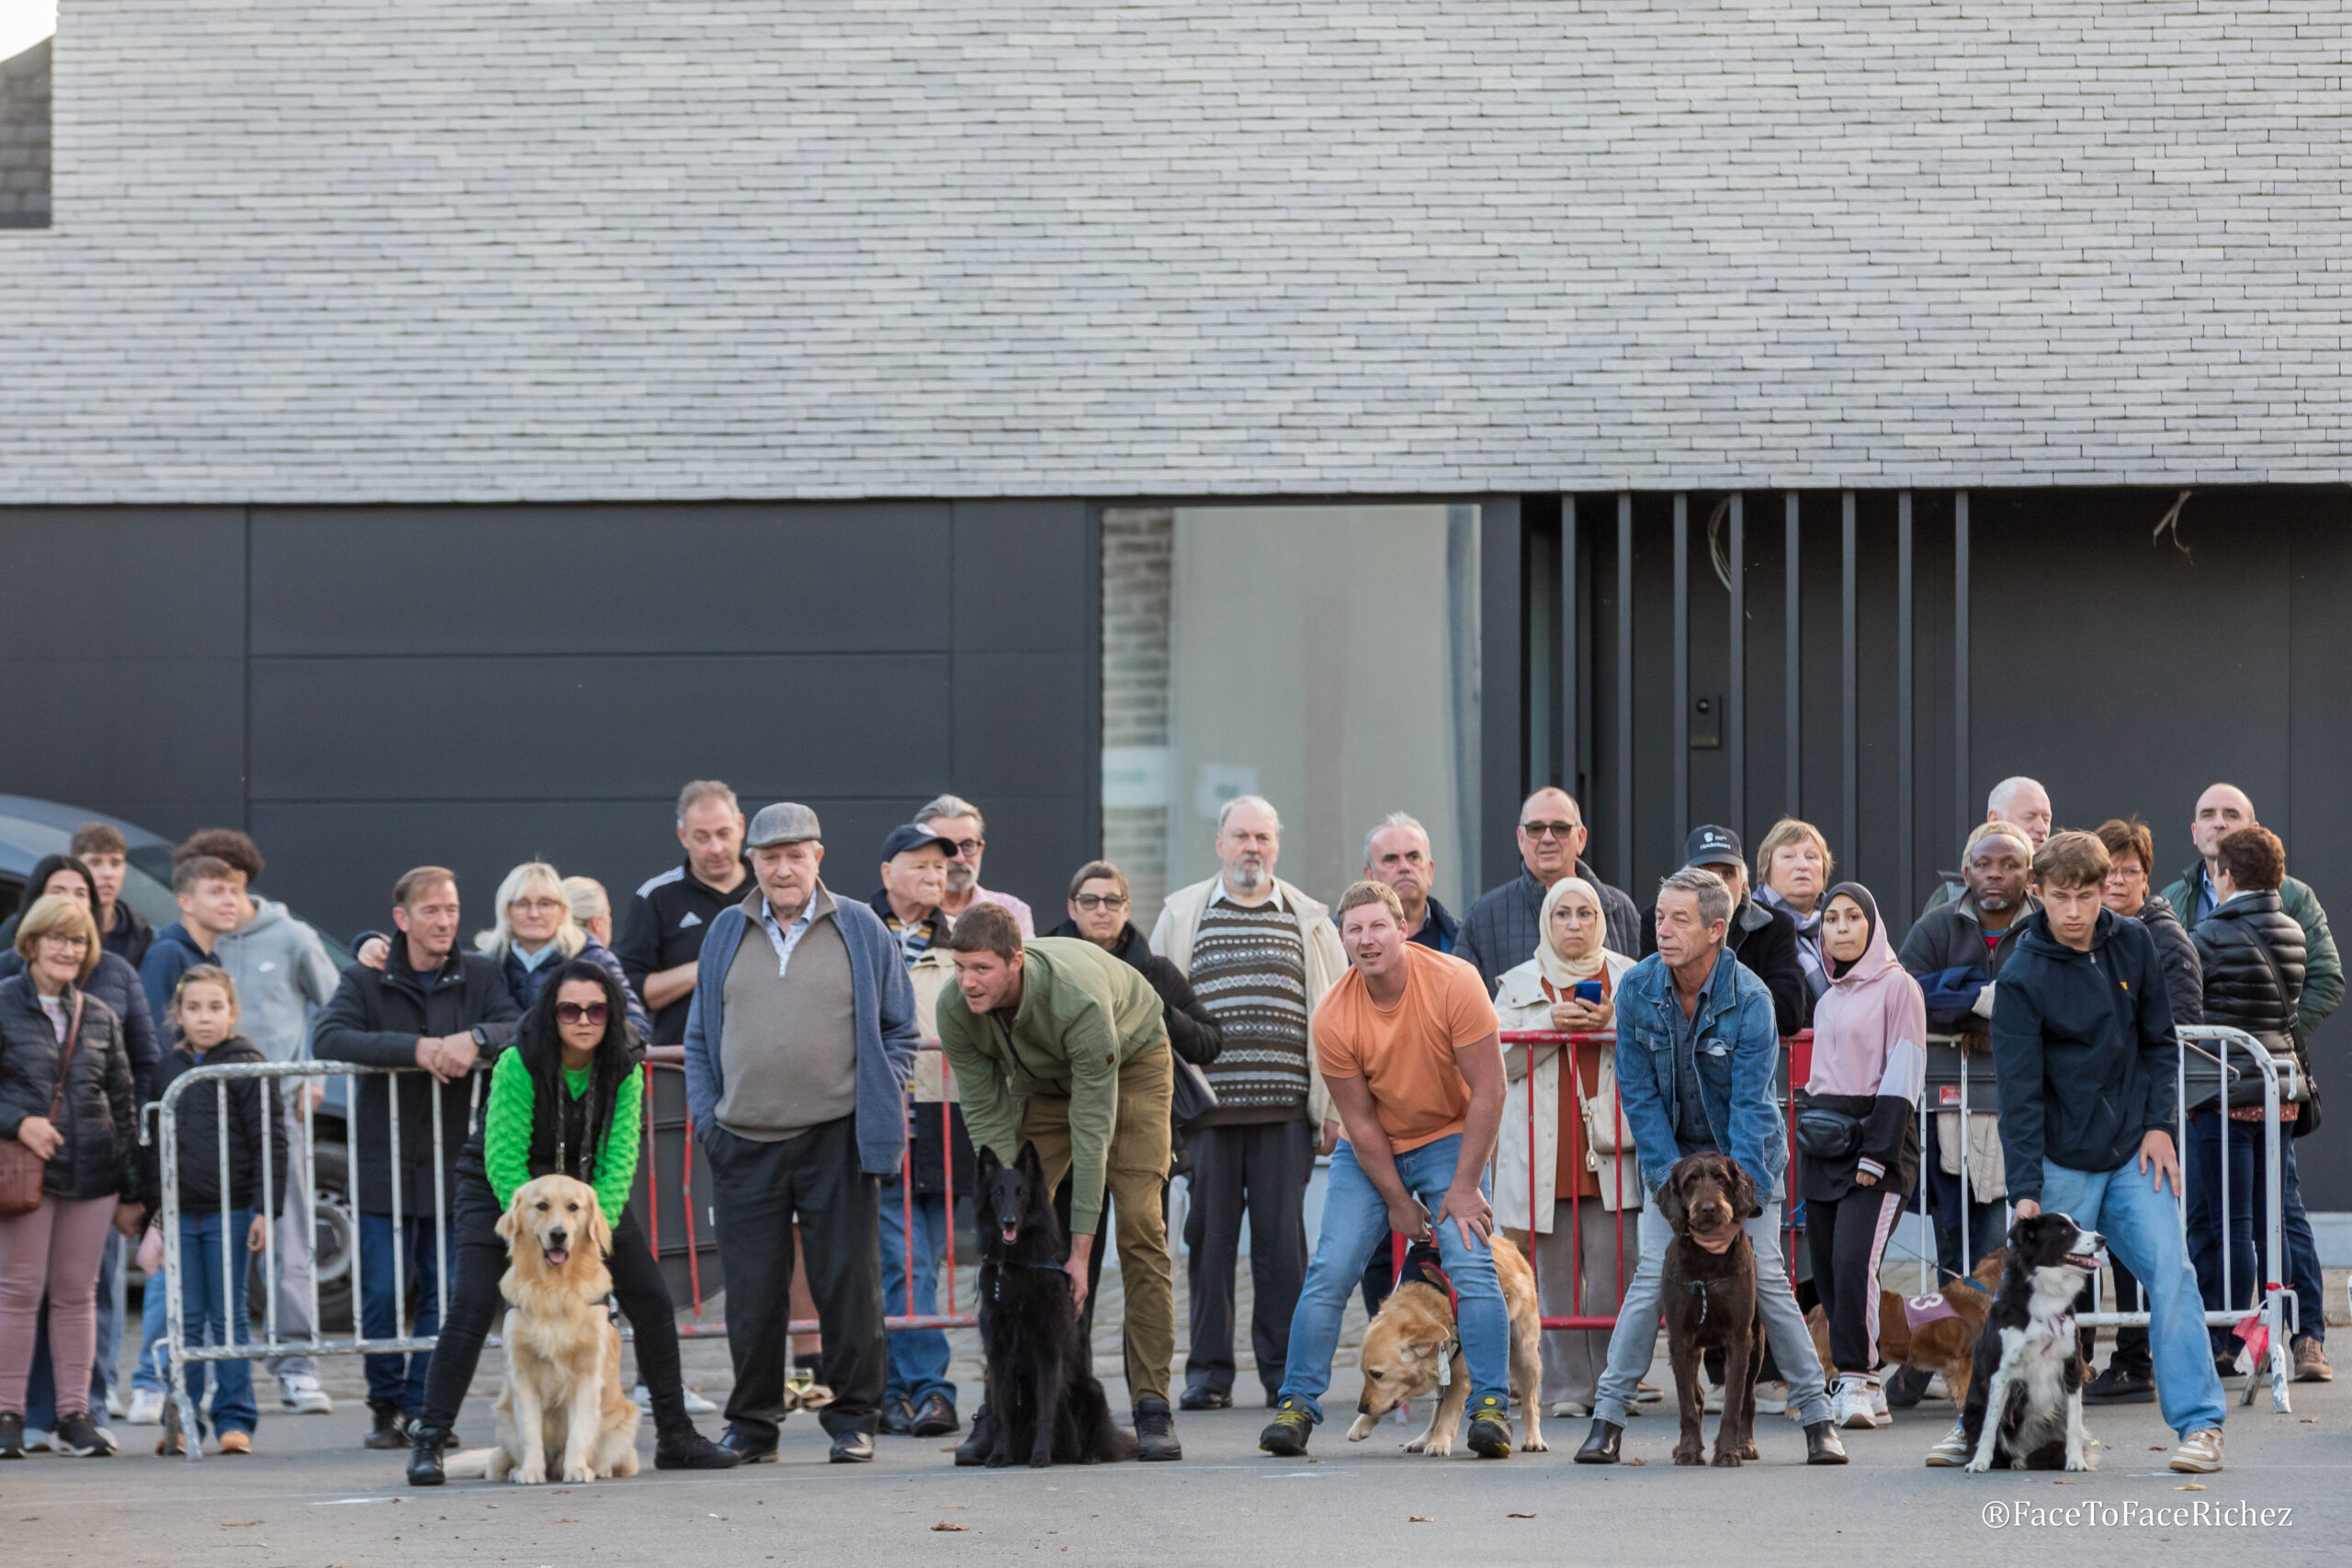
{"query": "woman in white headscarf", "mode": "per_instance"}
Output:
(1588, 1194)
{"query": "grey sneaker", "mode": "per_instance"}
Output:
(2200, 1452)
(1951, 1451)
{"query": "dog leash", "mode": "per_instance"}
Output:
(1700, 1287)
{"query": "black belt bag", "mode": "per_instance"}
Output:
(1827, 1134)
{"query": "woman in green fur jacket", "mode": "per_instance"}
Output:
(566, 1099)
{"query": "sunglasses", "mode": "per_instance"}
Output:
(1548, 830)
(577, 1012)
(1101, 901)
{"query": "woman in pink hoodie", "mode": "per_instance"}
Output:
(1858, 1133)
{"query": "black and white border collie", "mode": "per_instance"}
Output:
(2029, 1362)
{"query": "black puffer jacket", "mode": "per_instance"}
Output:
(2241, 988)
(253, 1115)
(2184, 975)
(98, 1114)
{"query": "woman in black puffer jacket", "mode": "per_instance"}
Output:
(83, 1129)
(2252, 953)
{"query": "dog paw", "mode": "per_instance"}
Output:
(530, 1475)
(1417, 1445)
(1727, 1459)
(1535, 1445)
(999, 1461)
(1748, 1449)
(1977, 1466)
(1362, 1428)
(1040, 1461)
(578, 1475)
(1691, 1455)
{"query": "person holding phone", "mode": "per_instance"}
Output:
(1586, 1194)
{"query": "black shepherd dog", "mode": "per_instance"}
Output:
(1043, 1395)
(2025, 1395)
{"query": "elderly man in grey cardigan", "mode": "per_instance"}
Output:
(797, 1048)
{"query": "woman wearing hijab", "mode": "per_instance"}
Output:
(1858, 1128)
(1584, 1251)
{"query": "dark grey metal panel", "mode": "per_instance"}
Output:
(2312, 820)
(1021, 579)
(1502, 722)
(594, 729)
(563, 580)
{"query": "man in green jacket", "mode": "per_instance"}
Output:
(1056, 1043)
(2221, 811)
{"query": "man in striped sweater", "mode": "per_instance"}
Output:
(1260, 954)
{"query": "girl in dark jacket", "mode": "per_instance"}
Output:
(216, 1236)
(1870, 1062)
(567, 1099)
(66, 1094)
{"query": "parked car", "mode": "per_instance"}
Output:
(32, 829)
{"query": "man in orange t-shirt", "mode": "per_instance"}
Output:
(1412, 1056)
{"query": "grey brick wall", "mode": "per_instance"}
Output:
(485, 248)
(24, 138)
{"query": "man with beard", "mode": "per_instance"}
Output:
(1955, 953)
(958, 820)
(1260, 954)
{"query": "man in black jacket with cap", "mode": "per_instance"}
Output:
(448, 1011)
(1763, 939)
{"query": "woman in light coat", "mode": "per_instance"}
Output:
(1587, 1196)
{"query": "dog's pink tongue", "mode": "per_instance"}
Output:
(559, 1256)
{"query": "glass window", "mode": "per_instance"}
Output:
(1324, 657)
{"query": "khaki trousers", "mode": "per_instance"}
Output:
(1136, 1187)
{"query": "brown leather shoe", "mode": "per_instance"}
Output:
(2311, 1361)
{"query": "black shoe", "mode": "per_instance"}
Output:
(1215, 1399)
(851, 1447)
(1821, 1444)
(1602, 1446)
(974, 1450)
(425, 1456)
(935, 1419)
(898, 1417)
(1490, 1428)
(1905, 1386)
(753, 1450)
(389, 1429)
(2120, 1384)
(12, 1437)
(682, 1448)
(1285, 1436)
(77, 1436)
(1156, 1431)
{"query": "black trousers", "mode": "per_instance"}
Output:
(1848, 1239)
(760, 1189)
(1261, 1170)
(475, 1306)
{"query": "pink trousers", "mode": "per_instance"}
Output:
(56, 1249)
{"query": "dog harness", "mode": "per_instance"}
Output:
(1418, 1263)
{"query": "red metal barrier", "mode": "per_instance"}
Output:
(1799, 1063)
(673, 1057)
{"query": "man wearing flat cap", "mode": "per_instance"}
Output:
(798, 1047)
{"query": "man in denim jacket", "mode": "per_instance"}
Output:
(1696, 1051)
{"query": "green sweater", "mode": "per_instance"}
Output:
(1083, 1015)
(506, 1133)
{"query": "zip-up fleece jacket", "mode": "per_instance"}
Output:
(2082, 1047)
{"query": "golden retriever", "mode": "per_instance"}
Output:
(564, 1407)
(1413, 1336)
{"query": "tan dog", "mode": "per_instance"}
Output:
(1948, 1344)
(1413, 1336)
(564, 1407)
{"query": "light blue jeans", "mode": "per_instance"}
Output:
(918, 1356)
(1634, 1343)
(1355, 1218)
(2142, 1231)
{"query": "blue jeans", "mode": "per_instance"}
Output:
(150, 1329)
(2241, 1231)
(2142, 1231)
(393, 1378)
(1355, 1217)
(208, 1317)
(40, 1385)
(917, 1356)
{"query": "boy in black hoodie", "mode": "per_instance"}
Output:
(2084, 1048)
(215, 1236)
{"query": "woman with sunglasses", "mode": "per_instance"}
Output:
(567, 1099)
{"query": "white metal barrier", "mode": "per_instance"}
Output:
(2205, 1060)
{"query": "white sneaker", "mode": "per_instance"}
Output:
(2200, 1452)
(1879, 1415)
(1569, 1410)
(1851, 1408)
(299, 1395)
(146, 1407)
(38, 1441)
(1773, 1398)
(695, 1403)
(1951, 1451)
(118, 1402)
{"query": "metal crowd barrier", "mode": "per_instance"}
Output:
(177, 1353)
(1796, 1059)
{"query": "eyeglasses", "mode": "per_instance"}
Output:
(968, 848)
(1101, 900)
(577, 1012)
(67, 944)
(1549, 830)
(540, 906)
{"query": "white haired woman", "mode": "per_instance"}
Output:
(536, 933)
(1587, 1195)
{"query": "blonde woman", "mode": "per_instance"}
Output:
(1583, 1256)
(536, 933)
(1792, 867)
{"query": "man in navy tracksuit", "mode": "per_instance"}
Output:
(2084, 1048)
